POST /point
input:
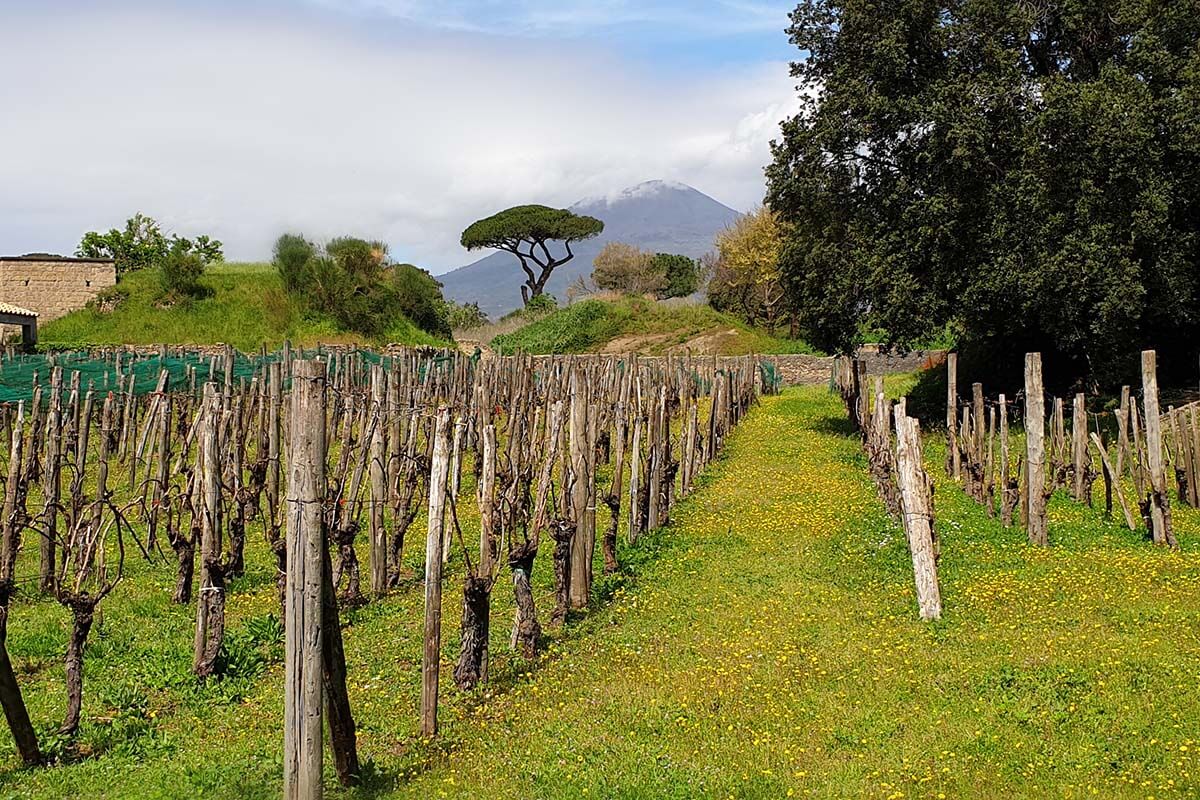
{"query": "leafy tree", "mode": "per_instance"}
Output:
(1024, 171)
(621, 267)
(681, 274)
(746, 279)
(526, 232)
(143, 244)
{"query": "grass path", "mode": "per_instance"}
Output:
(774, 652)
(766, 646)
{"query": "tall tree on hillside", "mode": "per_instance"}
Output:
(746, 280)
(142, 243)
(526, 232)
(1025, 171)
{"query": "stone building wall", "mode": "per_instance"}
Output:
(52, 285)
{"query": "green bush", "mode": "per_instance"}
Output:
(350, 280)
(419, 297)
(180, 272)
(541, 304)
(466, 316)
(292, 254)
(574, 329)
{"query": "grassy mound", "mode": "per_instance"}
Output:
(246, 308)
(640, 325)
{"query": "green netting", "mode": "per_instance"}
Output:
(98, 369)
(772, 380)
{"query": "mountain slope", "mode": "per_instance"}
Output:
(656, 215)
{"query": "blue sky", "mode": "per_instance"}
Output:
(396, 119)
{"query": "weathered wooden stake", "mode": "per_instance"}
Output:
(1160, 508)
(953, 458)
(917, 507)
(302, 710)
(431, 657)
(1035, 447)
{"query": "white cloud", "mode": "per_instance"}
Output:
(296, 123)
(579, 17)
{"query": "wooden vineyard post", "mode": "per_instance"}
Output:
(377, 555)
(1160, 509)
(635, 463)
(1192, 426)
(581, 553)
(917, 508)
(210, 604)
(1009, 491)
(953, 461)
(51, 481)
(486, 491)
(431, 656)
(302, 708)
(978, 430)
(1035, 444)
(1080, 455)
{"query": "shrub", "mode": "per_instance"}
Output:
(180, 271)
(624, 267)
(362, 259)
(575, 329)
(419, 296)
(292, 254)
(543, 303)
(349, 279)
(466, 316)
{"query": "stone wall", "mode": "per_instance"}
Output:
(798, 369)
(52, 285)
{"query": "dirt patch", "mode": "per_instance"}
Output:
(709, 343)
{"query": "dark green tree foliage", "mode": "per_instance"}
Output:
(1025, 171)
(527, 232)
(682, 273)
(142, 243)
(292, 254)
(419, 297)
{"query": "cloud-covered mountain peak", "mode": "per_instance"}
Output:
(644, 190)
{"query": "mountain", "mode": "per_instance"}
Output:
(659, 216)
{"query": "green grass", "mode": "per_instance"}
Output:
(765, 645)
(247, 307)
(592, 325)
